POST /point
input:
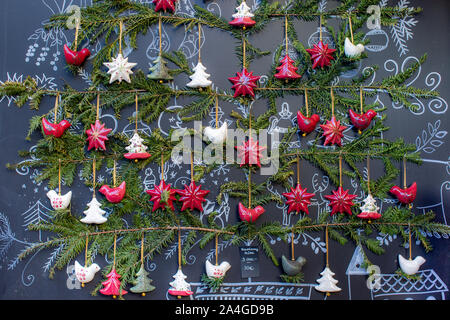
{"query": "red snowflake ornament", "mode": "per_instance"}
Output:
(192, 196)
(164, 5)
(97, 135)
(298, 199)
(162, 195)
(333, 131)
(321, 54)
(341, 201)
(111, 287)
(287, 70)
(244, 83)
(250, 152)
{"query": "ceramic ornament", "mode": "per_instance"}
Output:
(361, 121)
(55, 129)
(199, 79)
(243, 16)
(351, 50)
(111, 287)
(179, 287)
(408, 266)
(142, 283)
(244, 83)
(287, 70)
(162, 195)
(136, 149)
(120, 69)
(321, 55)
(405, 195)
(217, 271)
(85, 274)
(341, 201)
(114, 195)
(97, 135)
(248, 214)
(333, 131)
(307, 124)
(292, 267)
(370, 209)
(192, 196)
(298, 199)
(165, 5)
(94, 213)
(159, 70)
(216, 135)
(250, 152)
(76, 58)
(327, 283)
(57, 201)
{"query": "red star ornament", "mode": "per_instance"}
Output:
(97, 135)
(250, 152)
(164, 5)
(321, 55)
(333, 131)
(244, 83)
(192, 196)
(162, 195)
(341, 201)
(298, 199)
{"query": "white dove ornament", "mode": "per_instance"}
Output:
(58, 201)
(85, 274)
(219, 271)
(351, 50)
(216, 136)
(410, 267)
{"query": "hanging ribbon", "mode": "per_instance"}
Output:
(410, 242)
(179, 248)
(326, 244)
(162, 166)
(350, 24)
(136, 117)
(217, 249)
(120, 35)
(217, 112)
(332, 101)
(93, 178)
(298, 169)
(114, 261)
(160, 34)
(292, 246)
(192, 167)
(340, 169)
(59, 176)
(114, 174)
(306, 102)
(55, 111)
(361, 101)
(286, 33)
(98, 107)
(320, 30)
(368, 174)
(199, 42)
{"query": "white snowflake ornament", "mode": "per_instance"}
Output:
(120, 69)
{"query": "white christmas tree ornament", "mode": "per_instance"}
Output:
(327, 283)
(95, 213)
(199, 79)
(136, 149)
(179, 287)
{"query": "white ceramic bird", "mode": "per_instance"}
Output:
(216, 136)
(219, 271)
(351, 50)
(410, 267)
(86, 274)
(59, 202)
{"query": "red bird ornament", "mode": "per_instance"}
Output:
(361, 121)
(114, 195)
(307, 124)
(248, 214)
(76, 58)
(405, 195)
(54, 129)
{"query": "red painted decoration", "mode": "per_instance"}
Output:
(298, 199)
(307, 124)
(76, 58)
(164, 5)
(341, 201)
(111, 287)
(287, 70)
(250, 152)
(137, 155)
(181, 293)
(333, 131)
(162, 195)
(406, 195)
(242, 22)
(192, 196)
(248, 214)
(97, 135)
(244, 83)
(54, 129)
(321, 55)
(114, 195)
(361, 121)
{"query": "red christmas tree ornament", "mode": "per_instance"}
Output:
(54, 129)
(287, 70)
(192, 196)
(248, 214)
(361, 121)
(321, 54)
(307, 124)
(114, 195)
(76, 58)
(333, 131)
(341, 201)
(162, 195)
(97, 135)
(405, 195)
(244, 83)
(111, 287)
(164, 5)
(250, 152)
(298, 199)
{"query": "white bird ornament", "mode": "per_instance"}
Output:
(86, 274)
(58, 201)
(219, 271)
(351, 50)
(409, 266)
(216, 136)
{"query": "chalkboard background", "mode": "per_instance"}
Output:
(28, 49)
